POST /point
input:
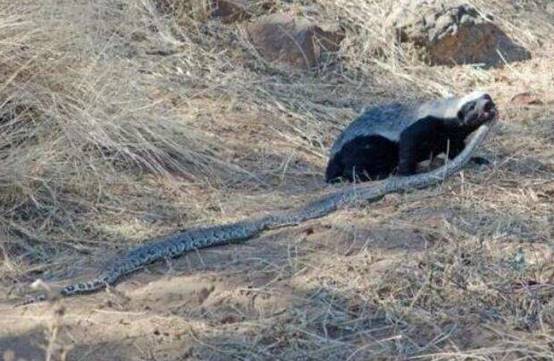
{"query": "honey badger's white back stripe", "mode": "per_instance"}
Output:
(447, 107)
(390, 120)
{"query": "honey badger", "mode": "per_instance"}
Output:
(395, 137)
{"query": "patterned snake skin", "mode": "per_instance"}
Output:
(203, 237)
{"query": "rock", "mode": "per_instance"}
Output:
(293, 41)
(449, 32)
(231, 10)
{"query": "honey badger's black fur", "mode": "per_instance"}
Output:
(396, 137)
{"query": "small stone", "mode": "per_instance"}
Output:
(293, 41)
(231, 10)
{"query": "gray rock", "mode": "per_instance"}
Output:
(449, 32)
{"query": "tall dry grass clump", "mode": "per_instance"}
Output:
(80, 117)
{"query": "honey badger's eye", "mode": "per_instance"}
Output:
(470, 106)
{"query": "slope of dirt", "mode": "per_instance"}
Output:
(153, 121)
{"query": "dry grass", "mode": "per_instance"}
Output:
(122, 120)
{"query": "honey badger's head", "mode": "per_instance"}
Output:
(476, 108)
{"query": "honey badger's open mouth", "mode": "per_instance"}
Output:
(478, 118)
(489, 114)
(484, 116)
(489, 110)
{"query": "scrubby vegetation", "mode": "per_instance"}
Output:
(124, 120)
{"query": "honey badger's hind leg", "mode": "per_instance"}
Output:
(364, 158)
